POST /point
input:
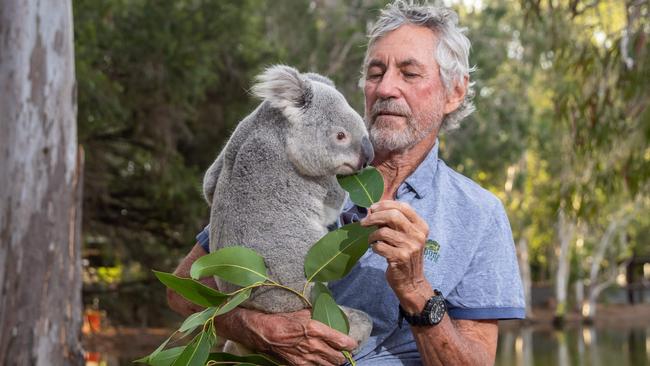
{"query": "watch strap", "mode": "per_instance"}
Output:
(423, 318)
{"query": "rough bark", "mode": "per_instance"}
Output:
(40, 266)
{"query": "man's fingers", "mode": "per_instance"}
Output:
(391, 218)
(396, 239)
(333, 338)
(402, 207)
(314, 350)
(387, 251)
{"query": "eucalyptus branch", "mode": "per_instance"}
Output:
(256, 284)
(301, 295)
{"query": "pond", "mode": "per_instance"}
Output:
(518, 346)
(619, 346)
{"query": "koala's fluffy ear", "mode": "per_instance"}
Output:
(320, 78)
(285, 88)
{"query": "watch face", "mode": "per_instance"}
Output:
(437, 311)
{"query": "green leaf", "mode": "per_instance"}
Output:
(192, 290)
(334, 255)
(260, 360)
(166, 357)
(328, 312)
(147, 359)
(365, 187)
(318, 289)
(197, 319)
(196, 353)
(234, 301)
(237, 265)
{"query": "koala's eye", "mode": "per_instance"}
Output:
(340, 136)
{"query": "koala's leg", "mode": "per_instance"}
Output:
(360, 325)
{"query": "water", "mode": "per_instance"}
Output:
(577, 346)
(619, 346)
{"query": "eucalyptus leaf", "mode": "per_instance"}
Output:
(260, 360)
(197, 319)
(234, 301)
(156, 352)
(329, 313)
(192, 290)
(196, 353)
(237, 265)
(365, 187)
(166, 357)
(318, 289)
(334, 255)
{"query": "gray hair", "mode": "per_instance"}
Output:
(452, 51)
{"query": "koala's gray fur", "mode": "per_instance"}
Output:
(273, 187)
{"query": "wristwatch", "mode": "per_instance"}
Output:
(434, 311)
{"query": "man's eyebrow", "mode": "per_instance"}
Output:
(376, 63)
(409, 62)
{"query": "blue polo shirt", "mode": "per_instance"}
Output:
(469, 257)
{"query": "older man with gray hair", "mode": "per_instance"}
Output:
(442, 259)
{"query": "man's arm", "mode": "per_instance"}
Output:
(293, 337)
(400, 239)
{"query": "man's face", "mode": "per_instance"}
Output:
(405, 97)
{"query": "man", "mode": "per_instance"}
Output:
(443, 258)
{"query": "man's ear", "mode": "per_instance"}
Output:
(456, 96)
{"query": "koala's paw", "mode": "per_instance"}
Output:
(360, 325)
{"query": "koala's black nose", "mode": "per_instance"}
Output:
(368, 154)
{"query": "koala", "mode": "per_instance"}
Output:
(273, 187)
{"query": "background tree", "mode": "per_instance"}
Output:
(40, 267)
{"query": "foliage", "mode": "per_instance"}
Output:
(244, 267)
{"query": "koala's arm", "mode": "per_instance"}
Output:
(293, 337)
(211, 177)
(226, 157)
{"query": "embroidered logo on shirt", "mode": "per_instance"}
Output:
(432, 250)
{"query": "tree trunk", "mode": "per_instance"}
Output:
(595, 288)
(566, 230)
(40, 215)
(524, 269)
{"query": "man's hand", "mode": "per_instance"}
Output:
(293, 337)
(400, 239)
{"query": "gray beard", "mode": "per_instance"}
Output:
(386, 139)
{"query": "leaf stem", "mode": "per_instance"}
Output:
(348, 356)
(301, 295)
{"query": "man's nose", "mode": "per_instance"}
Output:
(388, 86)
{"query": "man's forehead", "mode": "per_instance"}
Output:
(404, 46)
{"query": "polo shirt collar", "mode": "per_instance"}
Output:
(421, 180)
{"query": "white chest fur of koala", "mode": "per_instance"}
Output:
(273, 187)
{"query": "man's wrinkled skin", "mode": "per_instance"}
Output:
(405, 103)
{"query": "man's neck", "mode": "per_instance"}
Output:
(396, 166)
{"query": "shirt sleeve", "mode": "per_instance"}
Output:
(203, 238)
(491, 288)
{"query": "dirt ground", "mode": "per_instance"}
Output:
(132, 343)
